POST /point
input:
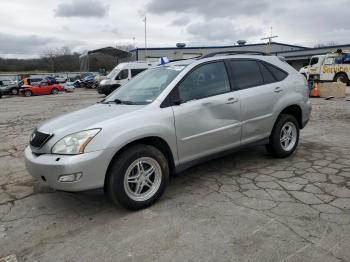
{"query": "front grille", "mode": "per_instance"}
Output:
(38, 139)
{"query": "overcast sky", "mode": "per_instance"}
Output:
(29, 27)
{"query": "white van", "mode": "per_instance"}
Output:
(121, 74)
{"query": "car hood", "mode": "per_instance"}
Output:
(87, 118)
(108, 82)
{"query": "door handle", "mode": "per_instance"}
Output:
(232, 100)
(278, 90)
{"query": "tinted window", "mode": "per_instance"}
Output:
(206, 80)
(246, 73)
(267, 75)
(123, 74)
(314, 60)
(277, 73)
(134, 72)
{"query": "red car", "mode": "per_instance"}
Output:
(43, 88)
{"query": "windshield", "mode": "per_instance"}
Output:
(113, 73)
(146, 87)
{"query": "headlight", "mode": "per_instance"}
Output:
(75, 143)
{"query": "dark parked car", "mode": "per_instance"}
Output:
(7, 89)
(51, 80)
(88, 82)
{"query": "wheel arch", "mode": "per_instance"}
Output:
(341, 73)
(155, 141)
(294, 110)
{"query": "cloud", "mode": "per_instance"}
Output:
(24, 43)
(221, 30)
(32, 45)
(81, 8)
(209, 9)
(181, 21)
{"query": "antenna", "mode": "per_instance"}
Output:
(269, 47)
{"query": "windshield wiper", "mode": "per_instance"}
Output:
(118, 101)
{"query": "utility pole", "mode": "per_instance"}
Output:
(269, 46)
(133, 39)
(145, 20)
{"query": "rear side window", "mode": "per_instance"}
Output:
(267, 75)
(277, 73)
(246, 73)
(135, 72)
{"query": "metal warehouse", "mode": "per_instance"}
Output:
(297, 56)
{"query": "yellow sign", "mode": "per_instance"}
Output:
(335, 69)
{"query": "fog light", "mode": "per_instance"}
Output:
(70, 178)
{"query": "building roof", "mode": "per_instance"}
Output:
(216, 47)
(111, 51)
(305, 54)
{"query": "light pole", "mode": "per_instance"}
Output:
(145, 20)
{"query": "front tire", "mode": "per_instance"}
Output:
(14, 91)
(54, 91)
(137, 177)
(27, 93)
(284, 137)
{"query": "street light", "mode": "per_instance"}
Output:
(145, 21)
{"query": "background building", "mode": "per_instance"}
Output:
(297, 56)
(183, 52)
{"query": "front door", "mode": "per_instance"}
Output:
(207, 120)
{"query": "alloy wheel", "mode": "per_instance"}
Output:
(288, 136)
(142, 179)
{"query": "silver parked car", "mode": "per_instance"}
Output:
(168, 118)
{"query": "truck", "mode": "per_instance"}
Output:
(331, 67)
(121, 74)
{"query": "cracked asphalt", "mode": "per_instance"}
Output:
(246, 206)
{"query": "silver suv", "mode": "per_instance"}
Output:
(168, 118)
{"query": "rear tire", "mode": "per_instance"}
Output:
(54, 91)
(27, 93)
(284, 137)
(137, 177)
(342, 78)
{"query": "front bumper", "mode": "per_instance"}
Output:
(49, 167)
(104, 89)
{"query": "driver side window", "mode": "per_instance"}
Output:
(314, 61)
(123, 74)
(205, 81)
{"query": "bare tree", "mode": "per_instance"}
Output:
(127, 47)
(51, 55)
(331, 43)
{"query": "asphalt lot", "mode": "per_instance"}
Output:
(246, 206)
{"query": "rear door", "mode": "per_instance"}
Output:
(207, 117)
(260, 89)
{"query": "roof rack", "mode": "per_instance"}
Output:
(233, 53)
